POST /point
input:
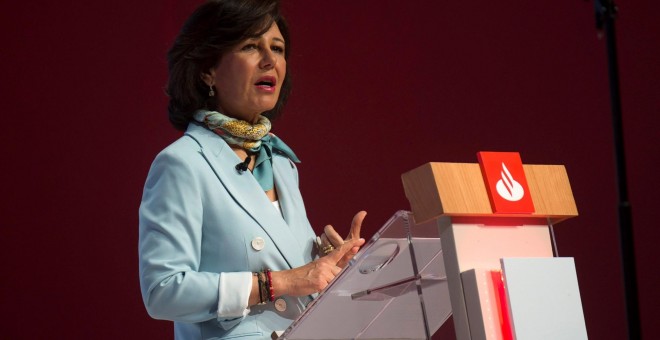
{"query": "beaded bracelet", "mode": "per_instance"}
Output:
(271, 296)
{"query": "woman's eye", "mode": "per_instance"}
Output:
(249, 47)
(277, 49)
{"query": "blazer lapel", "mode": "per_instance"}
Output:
(242, 187)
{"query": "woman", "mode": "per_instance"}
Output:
(225, 246)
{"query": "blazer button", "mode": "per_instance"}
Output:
(258, 243)
(280, 305)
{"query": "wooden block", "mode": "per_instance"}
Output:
(437, 189)
(551, 191)
(458, 189)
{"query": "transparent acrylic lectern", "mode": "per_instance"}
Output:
(394, 288)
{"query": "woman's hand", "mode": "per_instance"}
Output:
(314, 276)
(331, 237)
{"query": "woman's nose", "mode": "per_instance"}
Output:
(268, 59)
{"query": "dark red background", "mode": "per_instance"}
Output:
(380, 87)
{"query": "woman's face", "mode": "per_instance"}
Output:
(249, 77)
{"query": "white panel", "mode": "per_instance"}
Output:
(461, 322)
(482, 305)
(480, 246)
(544, 298)
(475, 246)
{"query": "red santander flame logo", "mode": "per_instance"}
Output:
(505, 181)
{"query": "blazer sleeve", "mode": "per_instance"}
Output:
(170, 232)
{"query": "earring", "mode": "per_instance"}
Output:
(211, 92)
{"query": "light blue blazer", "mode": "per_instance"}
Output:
(198, 218)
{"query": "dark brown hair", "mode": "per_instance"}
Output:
(213, 29)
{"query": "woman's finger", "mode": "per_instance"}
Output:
(336, 255)
(324, 240)
(326, 246)
(333, 237)
(356, 225)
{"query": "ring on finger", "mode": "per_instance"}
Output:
(327, 249)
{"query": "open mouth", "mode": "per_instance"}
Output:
(266, 82)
